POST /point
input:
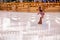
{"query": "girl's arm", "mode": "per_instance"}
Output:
(38, 13)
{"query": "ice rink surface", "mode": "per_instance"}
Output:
(24, 26)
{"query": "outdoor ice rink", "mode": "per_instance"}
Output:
(24, 26)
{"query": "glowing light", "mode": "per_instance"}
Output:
(47, 18)
(33, 20)
(28, 24)
(14, 18)
(48, 22)
(32, 17)
(6, 23)
(57, 21)
(58, 18)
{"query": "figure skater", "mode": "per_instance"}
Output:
(42, 15)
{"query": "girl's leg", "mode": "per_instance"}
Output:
(40, 21)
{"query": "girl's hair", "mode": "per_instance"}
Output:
(39, 7)
(41, 10)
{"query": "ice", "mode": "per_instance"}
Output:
(24, 26)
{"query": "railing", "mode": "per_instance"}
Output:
(26, 7)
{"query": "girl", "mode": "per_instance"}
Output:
(42, 15)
